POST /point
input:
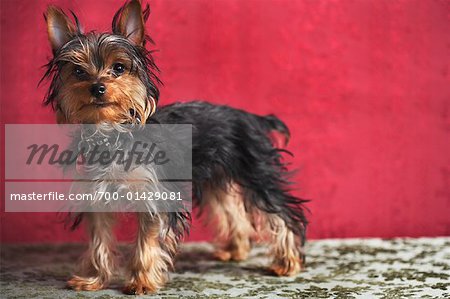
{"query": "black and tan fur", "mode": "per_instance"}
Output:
(238, 174)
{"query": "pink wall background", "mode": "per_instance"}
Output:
(363, 85)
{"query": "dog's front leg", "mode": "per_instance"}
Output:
(152, 258)
(98, 263)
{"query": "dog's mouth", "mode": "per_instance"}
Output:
(135, 117)
(101, 104)
(98, 104)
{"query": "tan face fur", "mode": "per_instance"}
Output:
(114, 61)
(123, 93)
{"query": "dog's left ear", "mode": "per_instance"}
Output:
(129, 22)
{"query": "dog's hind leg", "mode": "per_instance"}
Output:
(229, 216)
(286, 249)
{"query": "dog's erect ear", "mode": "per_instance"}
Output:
(129, 22)
(59, 27)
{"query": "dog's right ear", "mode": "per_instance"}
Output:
(59, 27)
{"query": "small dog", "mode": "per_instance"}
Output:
(238, 174)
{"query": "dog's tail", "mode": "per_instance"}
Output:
(273, 123)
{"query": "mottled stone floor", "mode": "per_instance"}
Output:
(355, 268)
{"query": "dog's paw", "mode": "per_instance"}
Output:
(239, 254)
(222, 255)
(286, 267)
(138, 289)
(78, 283)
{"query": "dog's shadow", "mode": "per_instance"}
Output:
(203, 261)
(52, 265)
(46, 265)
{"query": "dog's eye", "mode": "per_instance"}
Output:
(118, 69)
(79, 72)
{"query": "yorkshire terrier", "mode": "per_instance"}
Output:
(238, 173)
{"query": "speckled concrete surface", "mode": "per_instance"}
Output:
(353, 268)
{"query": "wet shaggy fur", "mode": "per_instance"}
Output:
(239, 177)
(231, 145)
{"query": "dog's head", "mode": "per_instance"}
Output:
(101, 77)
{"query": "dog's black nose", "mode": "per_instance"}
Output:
(98, 89)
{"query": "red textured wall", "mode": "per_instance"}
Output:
(363, 85)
